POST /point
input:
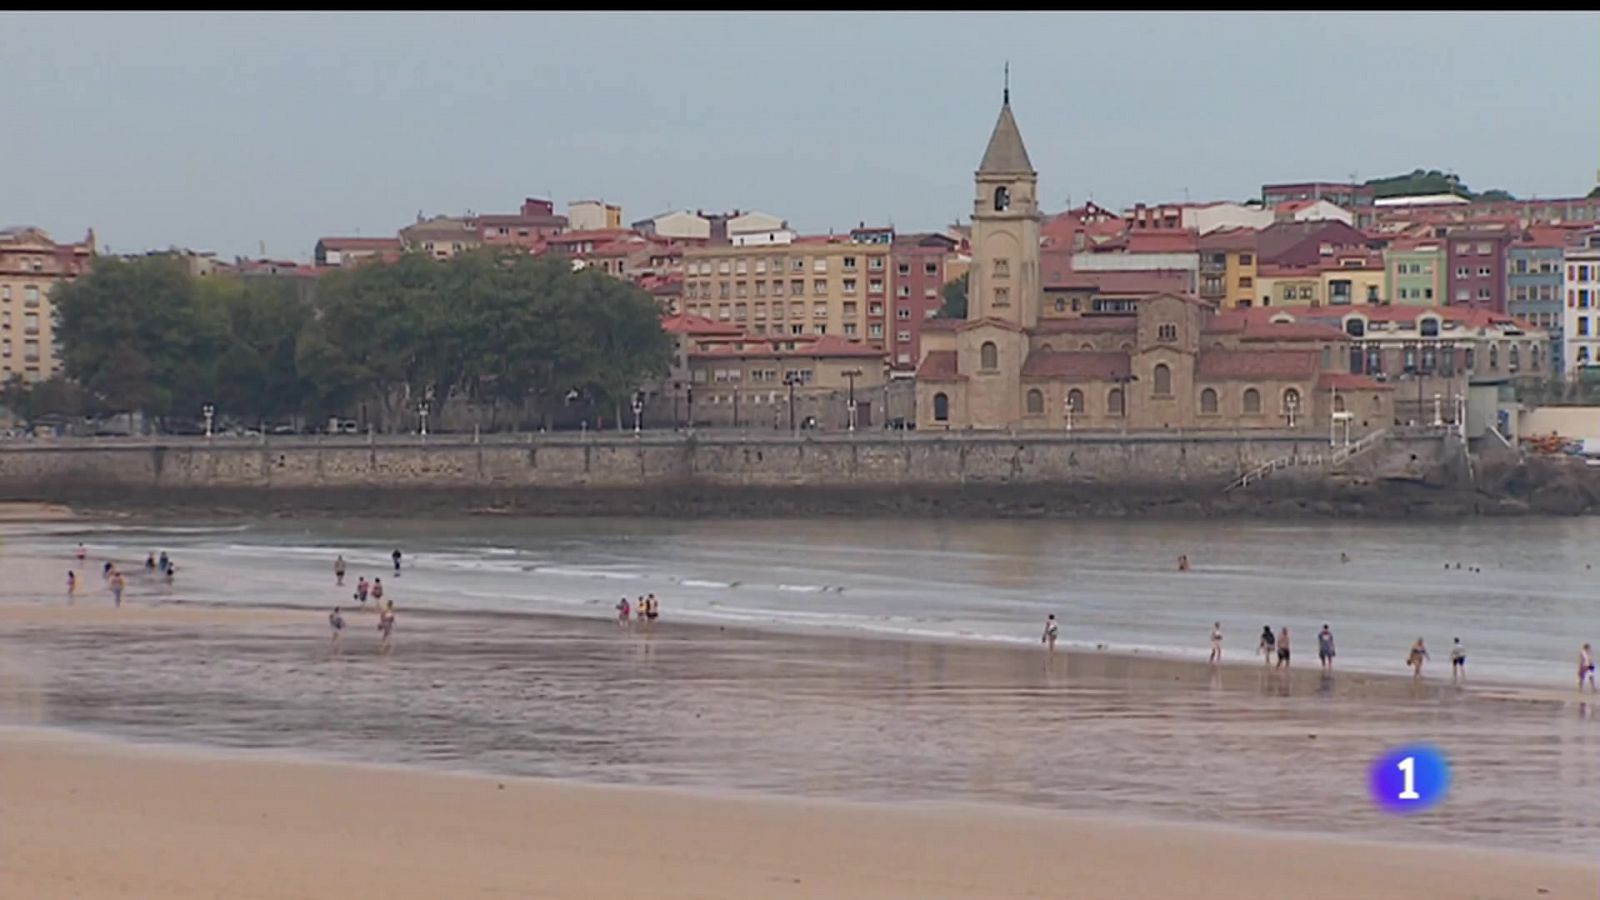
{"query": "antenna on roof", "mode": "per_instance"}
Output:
(1006, 95)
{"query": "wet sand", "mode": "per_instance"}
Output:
(93, 820)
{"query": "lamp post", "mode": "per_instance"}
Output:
(677, 422)
(422, 414)
(638, 410)
(1438, 412)
(1290, 407)
(210, 412)
(850, 405)
(1066, 403)
(792, 378)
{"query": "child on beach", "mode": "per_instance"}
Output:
(1216, 642)
(336, 622)
(1585, 668)
(623, 612)
(338, 571)
(1458, 661)
(1050, 631)
(1419, 652)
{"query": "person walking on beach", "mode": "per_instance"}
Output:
(653, 610)
(396, 557)
(623, 612)
(361, 590)
(1283, 647)
(1268, 643)
(163, 563)
(377, 591)
(106, 570)
(1216, 643)
(1458, 661)
(385, 627)
(1419, 652)
(117, 584)
(1325, 648)
(336, 622)
(1183, 562)
(338, 571)
(82, 553)
(1585, 668)
(150, 564)
(72, 585)
(1050, 631)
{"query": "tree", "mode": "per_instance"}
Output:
(1496, 195)
(955, 299)
(31, 401)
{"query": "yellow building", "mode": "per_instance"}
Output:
(1343, 279)
(1228, 268)
(813, 286)
(1289, 286)
(31, 265)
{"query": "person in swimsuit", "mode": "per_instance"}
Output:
(377, 590)
(1419, 652)
(172, 571)
(1458, 661)
(624, 611)
(338, 571)
(163, 563)
(81, 552)
(1050, 630)
(1325, 648)
(385, 626)
(361, 589)
(396, 557)
(1216, 642)
(336, 622)
(653, 610)
(117, 584)
(107, 569)
(1283, 647)
(1585, 667)
(72, 585)
(150, 564)
(1183, 563)
(1268, 642)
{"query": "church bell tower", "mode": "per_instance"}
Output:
(1004, 283)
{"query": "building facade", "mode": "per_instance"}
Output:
(593, 215)
(819, 286)
(1337, 193)
(536, 221)
(919, 262)
(1171, 363)
(1228, 270)
(31, 266)
(1534, 288)
(1580, 325)
(1475, 267)
(1414, 273)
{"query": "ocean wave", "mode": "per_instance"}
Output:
(573, 572)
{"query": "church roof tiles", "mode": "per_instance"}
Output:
(1005, 154)
(1081, 365)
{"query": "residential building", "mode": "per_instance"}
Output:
(201, 263)
(1228, 268)
(441, 237)
(825, 285)
(1580, 327)
(1475, 266)
(579, 244)
(754, 229)
(31, 266)
(920, 275)
(1414, 272)
(1311, 211)
(1354, 278)
(344, 252)
(1172, 363)
(1338, 193)
(593, 215)
(1208, 217)
(1534, 288)
(529, 227)
(1280, 285)
(680, 224)
(1308, 243)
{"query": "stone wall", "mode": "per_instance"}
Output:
(625, 473)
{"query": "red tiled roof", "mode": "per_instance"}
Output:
(1085, 365)
(359, 243)
(1087, 325)
(940, 324)
(1345, 381)
(1229, 239)
(938, 365)
(1549, 236)
(687, 323)
(1292, 331)
(1185, 241)
(1222, 365)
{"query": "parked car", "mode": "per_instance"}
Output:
(348, 426)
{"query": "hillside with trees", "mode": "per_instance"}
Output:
(1420, 182)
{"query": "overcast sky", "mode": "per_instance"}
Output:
(221, 132)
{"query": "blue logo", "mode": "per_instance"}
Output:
(1409, 779)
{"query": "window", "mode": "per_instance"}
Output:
(797, 329)
(761, 267)
(1512, 357)
(1355, 327)
(1246, 259)
(903, 312)
(819, 328)
(722, 267)
(941, 408)
(1075, 401)
(1372, 293)
(741, 266)
(1245, 281)
(1061, 304)
(849, 263)
(1208, 402)
(1485, 249)
(1167, 332)
(1162, 380)
(1252, 402)
(1483, 293)
(1305, 292)
(1463, 271)
(874, 330)
(1291, 401)
(819, 310)
(1494, 356)
(1429, 327)
(1114, 406)
(1035, 402)
(850, 329)
(1485, 271)
(989, 356)
(875, 286)
(30, 295)
(903, 290)
(903, 269)
(819, 264)
(875, 264)
(903, 337)
(799, 264)
(930, 268)
(1002, 199)
(849, 285)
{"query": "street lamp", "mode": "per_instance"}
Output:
(422, 412)
(1066, 403)
(1438, 413)
(677, 421)
(850, 407)
(210, 413)
(638, 410)
(1291, 405)
(792, 378)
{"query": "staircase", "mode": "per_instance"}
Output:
(1338, 457)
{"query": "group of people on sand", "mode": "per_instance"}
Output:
(365, 590)
(646, 609)
(116, 583)
(1277, 646)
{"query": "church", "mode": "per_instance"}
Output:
(1022, 360)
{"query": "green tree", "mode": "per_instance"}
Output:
(955, 299)
(32, 401)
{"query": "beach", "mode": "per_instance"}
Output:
(713, 757)
(93, 820)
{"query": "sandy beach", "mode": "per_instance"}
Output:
(90, 820)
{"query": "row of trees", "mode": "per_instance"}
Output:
(496, 328)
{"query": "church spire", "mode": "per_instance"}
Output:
(1005, 154)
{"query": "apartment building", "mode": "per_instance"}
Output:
(920, 275)
(31, 265)
(1534, 284)
(1228, 268)
(1475, 266)
(1414, 272)
(1580, 325)
(826, 285)
(593, 215)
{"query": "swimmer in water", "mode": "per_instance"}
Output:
(81, 553)
(653, 609)
(1183, 563)
(72, 585)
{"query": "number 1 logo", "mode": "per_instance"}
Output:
(1409, 779)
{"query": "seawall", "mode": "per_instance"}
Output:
(738, 474)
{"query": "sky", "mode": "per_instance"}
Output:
(234, 132)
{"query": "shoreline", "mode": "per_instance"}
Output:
(260, 826)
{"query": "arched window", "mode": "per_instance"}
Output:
(1114, 402)
(1252, 402)
(941, 408)
(1208, 401)
(1075, 401)
(1429, 326)
(1534, 353)
(1086, 346)
(1291, 400)
(1035, 402)
(1002, 199)
(1046, 348)
(988, 356)
(1126, 347)
(1338, 403)
(1167, 332)
(1514, 355)
(1163, 380)
(1355, 327)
